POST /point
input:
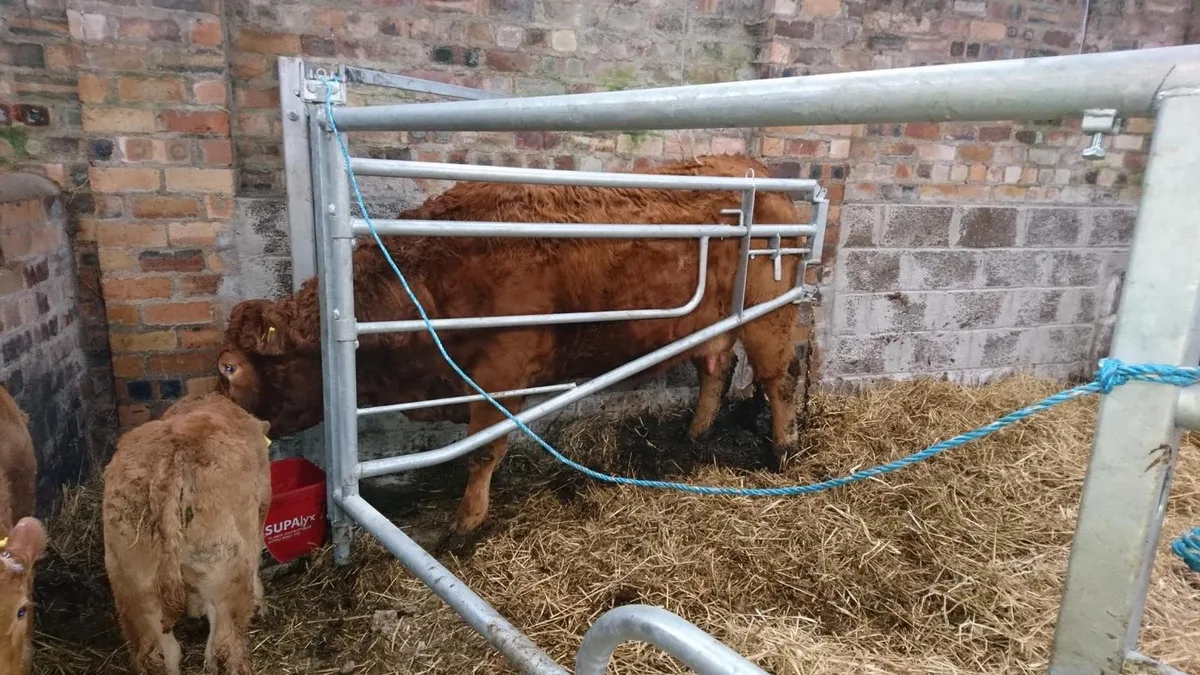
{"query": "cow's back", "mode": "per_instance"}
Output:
(18, 464)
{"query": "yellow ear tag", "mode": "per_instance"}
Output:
(270, 332)
(3, 542)
(264, 438)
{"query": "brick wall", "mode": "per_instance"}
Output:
(44, 364)
(171, 106)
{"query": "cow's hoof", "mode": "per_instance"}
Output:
(460, 544)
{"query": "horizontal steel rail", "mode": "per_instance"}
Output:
(377, 78)
(467, 228)
(481, 616)
(1016, 89)
(468, 323)
(668, 631)
(396, 168)
(1187, 408)
(390, 465)
(455, 400)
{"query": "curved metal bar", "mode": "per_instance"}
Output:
(669, 632)
(467, 323)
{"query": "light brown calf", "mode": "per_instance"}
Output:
(20, 545)
(185, 500)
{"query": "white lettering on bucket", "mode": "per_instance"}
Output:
(288, 525)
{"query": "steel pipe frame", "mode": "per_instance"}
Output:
(1122, 507)
(680, 638)
(1016, 89)
(469, 228)
(1137, 434)
(468, 323)
(453, 400)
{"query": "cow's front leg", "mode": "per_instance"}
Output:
(473, 509)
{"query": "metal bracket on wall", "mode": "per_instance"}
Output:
(1099, 122)
(313, 90)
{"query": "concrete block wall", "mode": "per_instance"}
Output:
(43, 359)
(973, 291)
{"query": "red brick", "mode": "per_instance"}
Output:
(251, 66)
(177, 151)
(118, 120)
(136, 288)
(200, 180)
(146, 29)
(898, 149)
(166, 207)
(975, 153)
(926, 130)
(123, 180)
(125, 315)
(219, 206)
(995, 134)
(156, 89)
(509, 61)
(133, 415)
(189, 260)
(152, 341)
(209, 92)
(116, 260)
(260, 42)
(258, 98)
(184, 363)
(199, 338)
(178, 313)
(190, 285)
(128, 367)
(137, 149)
(131, 235)
(217, 153)
(804, 148)
(207, 33)
(92, 88)
(196, 122)
(193, 234)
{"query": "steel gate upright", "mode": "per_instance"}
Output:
(1123, 501)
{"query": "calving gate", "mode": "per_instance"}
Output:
(1124, 497)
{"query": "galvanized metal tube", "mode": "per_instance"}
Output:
(466, 228)
(746, 220)
(669, 632)
(376, 78)
(453, 400)
(1187, 408)
(468, 323)
(1136, 439)
(1014, 89)
(396, 168)
(481, 616)
(389, 465)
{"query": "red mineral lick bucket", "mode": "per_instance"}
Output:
(296, 520)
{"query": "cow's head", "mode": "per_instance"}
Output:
(267, 368)
(20, 548)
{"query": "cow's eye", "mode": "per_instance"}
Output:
(21, 612)
(229, 368)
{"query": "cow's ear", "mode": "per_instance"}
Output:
(259, 327)
(25, 545)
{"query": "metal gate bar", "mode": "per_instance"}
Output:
(453, 400)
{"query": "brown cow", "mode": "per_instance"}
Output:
(20, 545)
(270, 361)
(185, 500)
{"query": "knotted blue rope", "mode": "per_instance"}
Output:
(1187, 546)
(1111, 374)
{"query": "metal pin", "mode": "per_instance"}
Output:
(1096, 149)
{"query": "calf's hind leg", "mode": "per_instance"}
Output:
(473, 509)
(229, 606)
(772, 354)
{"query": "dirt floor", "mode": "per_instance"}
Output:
(952, 566)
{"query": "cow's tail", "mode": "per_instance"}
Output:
(174, 500)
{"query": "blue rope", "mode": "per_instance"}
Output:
(1187, 546)
(1112, 373)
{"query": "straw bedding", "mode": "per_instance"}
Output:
(952, 566)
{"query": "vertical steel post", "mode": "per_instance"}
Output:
(297, 169)
(1133, 452)
(338, 332)
(746, 220)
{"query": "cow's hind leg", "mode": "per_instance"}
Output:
(473, 509)
(712, 367)
(772, 355)
(229, 606)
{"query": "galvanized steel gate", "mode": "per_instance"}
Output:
(1122, 508)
